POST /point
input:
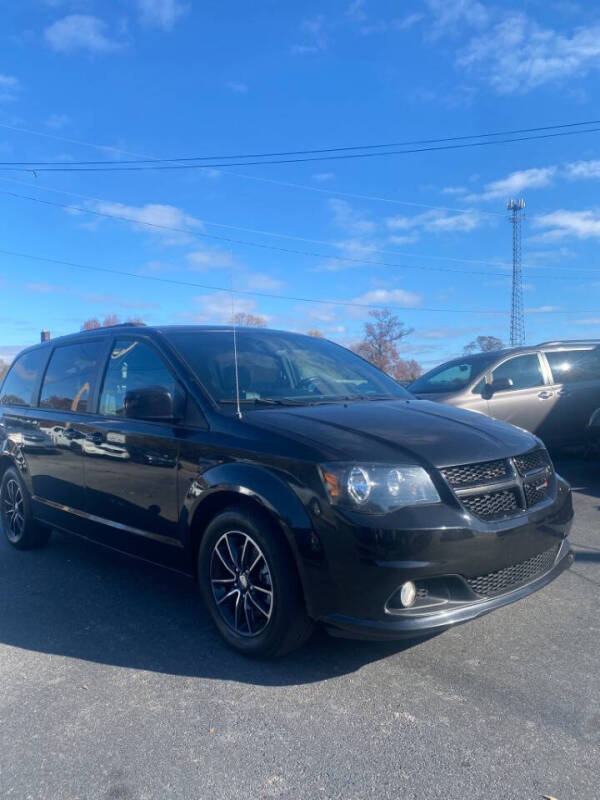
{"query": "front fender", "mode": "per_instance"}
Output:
(271, 490)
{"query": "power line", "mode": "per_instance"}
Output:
(293, 298)
(262, 246)
(227, 289)
(320, 151)
(169, 164)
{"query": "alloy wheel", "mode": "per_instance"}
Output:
(241, 583)
(13, 511)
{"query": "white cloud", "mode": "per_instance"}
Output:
(562, 224)
(517, 55)
(392, 297)
(9, 85)
(583, 170)
(349, 220)
(216, 308)
(80, 32)
(161, 13)
(542, 310)
(211, 258)
(261, 282)
(237, 86)
(57, 121)
(315, 37)
(587, 321)
(515, 183)
(167, 221)
(434, 222)
(454, 190)
(451, 16)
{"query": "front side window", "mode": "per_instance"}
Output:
(574, 366)
(525, 372)
(71, 376)
(453, 376)
(133, 366)
(283, 367)
(21, 380)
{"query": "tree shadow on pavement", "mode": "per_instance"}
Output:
(83, 601)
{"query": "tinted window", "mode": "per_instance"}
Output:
(71, 376)
(452, 376)
(286, 366)
(132, 366)
(21, 380)
(524, 371)
(574, 365)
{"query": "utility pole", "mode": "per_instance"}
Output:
(517, 317)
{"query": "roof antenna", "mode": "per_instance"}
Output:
(238, 410)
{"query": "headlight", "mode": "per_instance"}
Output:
(376, 488)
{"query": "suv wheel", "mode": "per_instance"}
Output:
(250, 584)
(19, 526)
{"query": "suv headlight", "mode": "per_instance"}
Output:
(377, 488)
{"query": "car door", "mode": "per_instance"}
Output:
(528, 402)
(54, 463)
(576, 383)
(131, 456)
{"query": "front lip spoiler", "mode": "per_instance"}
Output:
(436, 622)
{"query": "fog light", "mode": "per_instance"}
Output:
(408, 593)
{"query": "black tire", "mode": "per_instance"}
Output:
(264, 628)
(20, 528)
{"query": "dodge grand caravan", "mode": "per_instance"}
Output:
(297, 483)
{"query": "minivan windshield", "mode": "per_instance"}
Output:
(453, 376)
(280, 368)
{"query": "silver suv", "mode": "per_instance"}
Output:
(550, 389)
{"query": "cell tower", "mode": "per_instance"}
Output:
(517, 317)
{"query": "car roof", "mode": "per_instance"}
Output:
(129, 329)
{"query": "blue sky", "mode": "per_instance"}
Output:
(169, 78)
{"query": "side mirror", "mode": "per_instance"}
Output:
(498, 385)
(154, 403)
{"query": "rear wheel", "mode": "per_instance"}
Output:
(18, 524)
(250, 584)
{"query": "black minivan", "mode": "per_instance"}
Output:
(295, 481)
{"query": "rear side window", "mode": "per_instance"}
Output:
(132, 366)
(20, 383)
(71, 376)
(574, 366)
(524, 371)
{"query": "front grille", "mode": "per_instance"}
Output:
(538, 459)
(474, 474)
(536, 491)
(504, 580)
(493, 505)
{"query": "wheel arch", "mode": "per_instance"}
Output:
(257, 489)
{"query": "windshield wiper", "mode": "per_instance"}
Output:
(263, 401)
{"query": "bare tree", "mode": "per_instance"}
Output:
(315, 332)
(3, 368)
(110, 319)
(408, 370)
(380, 344)
(249, 320)
(483, 344)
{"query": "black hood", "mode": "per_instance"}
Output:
(416, 431)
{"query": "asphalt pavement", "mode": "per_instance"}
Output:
(114, 684)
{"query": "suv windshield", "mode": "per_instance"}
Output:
(454, 375)
(280, 368)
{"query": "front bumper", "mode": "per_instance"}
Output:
(438, 621)
(368, 562)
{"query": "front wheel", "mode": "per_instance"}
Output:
(18, 524)
(250, 584)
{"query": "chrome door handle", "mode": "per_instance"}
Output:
(545, 395)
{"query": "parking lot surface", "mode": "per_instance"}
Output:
(114, 684)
